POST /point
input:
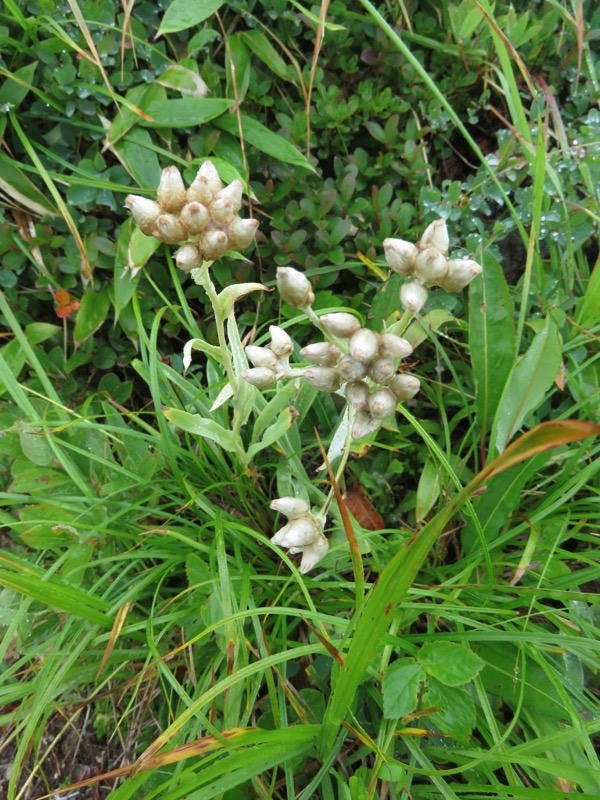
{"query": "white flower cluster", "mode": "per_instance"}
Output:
(302, 534)
(428, 265)
(203, 218)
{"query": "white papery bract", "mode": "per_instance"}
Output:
(303, 533)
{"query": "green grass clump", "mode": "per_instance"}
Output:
(153, 641)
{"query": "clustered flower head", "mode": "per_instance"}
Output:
(428, 265)
(303, 532)
(203, 218)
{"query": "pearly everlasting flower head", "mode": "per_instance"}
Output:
(203, 218)
(427, 263)
(303, 532)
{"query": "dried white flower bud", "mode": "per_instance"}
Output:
(381, 370)
(213, 244)
(294, 287)
(382, 403)
(241, 232)
(261, 356)
(322, 354)
(357, 394)
(323, 378)
(405, 387)
(461, 272)
(169, 229)
(364, 425)
(195, 217)
(206, 184)
(400, 255)
(350, 369)
(436, 235)
(188, 257)
(292, 507)
(340, 324)
(313, 553)
(145, 212)
(221, 211)
(261, 377)
(413, 296)
(299, 533)
(431, 266)
(233, 194)
(281, 344)
(393, 346)
(364, 345)
(171, 190)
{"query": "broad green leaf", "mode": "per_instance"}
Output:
(14, 354)
(259, 136)
(457, 716)
(201, 426)
(130, 114)
(34, 480)
(35, 447)
(587, 308)
(16, 87)
(420, 330)
(263, 49)
(184, 80)
(428, 489)
(184, 112)
(273, 433)
(452, 664)
(238, 68)
(91, 314)
(135, 153)
(48, 526)
(492, 339)
(400, 688)
(527, 385)
(184, 14)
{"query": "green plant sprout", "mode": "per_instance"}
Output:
(361, 365)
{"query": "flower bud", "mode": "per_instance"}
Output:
(340, 324)
(261, 357)
(364, 425)
(299, 532)
(350, 369)
(195, 217)
(461, 272)
(213, 244)
(292, 507)
(171, 190)
(382, 403)
(364, 345)
(221, 211)
(400, 255)
(436, 235)
(381, 370)
(294, 287)
(261, 377)
(233, 194)
(413, 296)
(404, 386)
(323, 378)
(322, 354)
(431, 266)
(188, 257)
(313, 553)
(393, 346)
(169, 229)
(241, 232)
(281, 344)
(357, 394)
(206, 184)
(145, 212)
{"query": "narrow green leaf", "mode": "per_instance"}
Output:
(401, 688)
(273, 433)
(492, 339)
(452, 664)
(428, 489)
(184, 112)
(259, 136)
(588, 305)
(184, 14)
(238, 68)
(91, 314)
(527, 385)
(264, 50)
(18, 187)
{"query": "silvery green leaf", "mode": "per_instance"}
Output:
(231, 294)
(223, 396)
(340, 438)
(199, 344)
(207, 428)
(273, 432)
